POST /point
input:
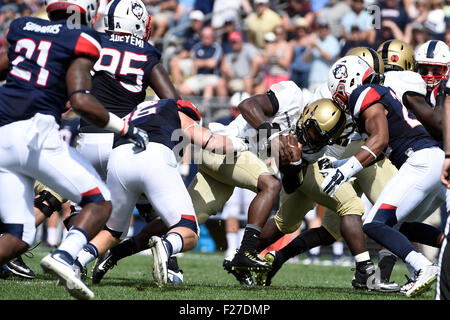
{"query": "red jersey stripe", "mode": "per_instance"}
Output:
(388, 206)
(86, 45)
(189, 217)
(91, 192)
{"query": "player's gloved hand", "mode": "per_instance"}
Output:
(335, 177)
(326, 163)
(138, 137)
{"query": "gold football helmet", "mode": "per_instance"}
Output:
(321, 123)
(397, 55)
(370, 56)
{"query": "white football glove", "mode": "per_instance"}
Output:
(335, 177)
(239, 144)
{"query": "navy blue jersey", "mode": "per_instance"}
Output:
(40, 53)
(122, 74)
(405, 131)
(160, 119)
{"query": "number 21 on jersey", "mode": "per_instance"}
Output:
(29, 47)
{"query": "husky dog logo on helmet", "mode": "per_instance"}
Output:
(340, 71)
(137, 10)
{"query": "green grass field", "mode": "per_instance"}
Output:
(205, 279)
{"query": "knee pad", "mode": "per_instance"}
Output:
(52, 206)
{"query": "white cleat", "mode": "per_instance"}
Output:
(77, 288)
(160, 260)
(425, 278)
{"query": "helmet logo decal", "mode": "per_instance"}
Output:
(394, 58)
(137, 10)
(340, 71)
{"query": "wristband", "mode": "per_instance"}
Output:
(116, 124)
(369, 151)
(351, 167)
(447, 156)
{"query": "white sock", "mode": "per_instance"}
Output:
(338, 248)
(362, 257)
(87, 254)
(232, 240)
(52, 236)
(315, 251)
(417, 260)
(75, 241)
(64, 234)
(176, 241)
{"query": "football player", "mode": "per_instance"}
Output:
(443, 284)
(48, 63)
(154, 173)
(127, 66)
(380, 115)
(346, 204)
(400, 75)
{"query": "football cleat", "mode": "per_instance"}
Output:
(105, 262)
(425, 278)
(160, 260)
(20, 269)
(80, 271)
(175, 276)
(363, 272)
(409, 283)
(59, 265)
(245, 260)
(387, 286)
(4, 272)
(174, 273)
(265, 278)
(243, 276)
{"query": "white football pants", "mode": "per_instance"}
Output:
(33, 150)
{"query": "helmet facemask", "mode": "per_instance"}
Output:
(438, 73)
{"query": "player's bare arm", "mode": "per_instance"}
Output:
(430, 117)
(377, 128)
(86, 105)
(161, 84)
(207, 140)
(445, 175)
(4, 62)
(256, 109)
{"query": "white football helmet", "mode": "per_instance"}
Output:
(346, 75)
(433, 62)
(129, 17)
(86, 7)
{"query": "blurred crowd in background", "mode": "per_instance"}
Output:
(214, 48)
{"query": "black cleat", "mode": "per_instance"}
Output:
(244, 277)
(249, 261)
(264, 278)
(363, 273)
(103, 264)
(20, 269)
(4, 272)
